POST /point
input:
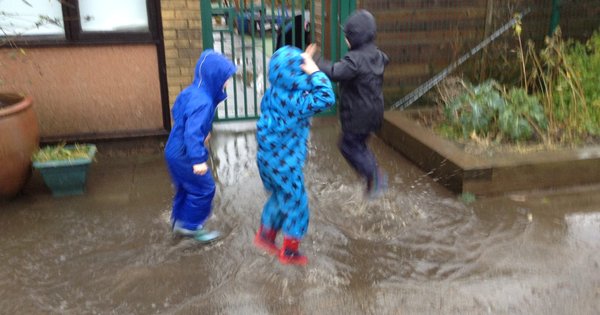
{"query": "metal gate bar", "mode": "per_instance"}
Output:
(235, 32)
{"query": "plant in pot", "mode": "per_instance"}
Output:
(64, 168)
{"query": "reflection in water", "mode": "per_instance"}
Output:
(583, 228)
(417, 250)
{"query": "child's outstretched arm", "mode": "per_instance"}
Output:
(342, 70)
(321, 96)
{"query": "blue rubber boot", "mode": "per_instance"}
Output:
(204, 236)
(378, 185)
(201, 234)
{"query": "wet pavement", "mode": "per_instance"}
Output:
(417, 250)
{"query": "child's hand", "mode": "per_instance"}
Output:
(200, 169)
(308, 66)
(311, 50)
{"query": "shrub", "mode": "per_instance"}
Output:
(521, 115)
(487, 111)
(586, 64)
(61, 152)
(564, 76)
(559, 100)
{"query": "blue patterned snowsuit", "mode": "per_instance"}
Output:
(193, 114)
(282, 132)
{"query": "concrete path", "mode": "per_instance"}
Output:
(418, 250)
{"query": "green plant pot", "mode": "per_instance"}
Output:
(66, 177)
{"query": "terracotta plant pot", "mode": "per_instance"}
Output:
(19, 139)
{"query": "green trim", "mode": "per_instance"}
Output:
(206, 16)
(334, 30)
(238, 108)
(554, 17)
(239, 118)
(345, 11)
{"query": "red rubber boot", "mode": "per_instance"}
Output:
(265, 240)
(289, 254)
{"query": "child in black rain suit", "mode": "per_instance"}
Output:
(360, 74)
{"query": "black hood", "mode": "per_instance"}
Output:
(360, 29)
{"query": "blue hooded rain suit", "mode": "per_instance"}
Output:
(282, 132)
(193, 114)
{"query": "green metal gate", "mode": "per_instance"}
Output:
(248, 31)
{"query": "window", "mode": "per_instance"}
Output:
(20, 18)
(79, 21)
(113, 15)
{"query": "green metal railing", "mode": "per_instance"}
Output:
(554, 17)
(249, 34)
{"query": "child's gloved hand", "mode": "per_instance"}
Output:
(308, 66)
(200, 169)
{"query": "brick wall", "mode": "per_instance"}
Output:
(183, 42)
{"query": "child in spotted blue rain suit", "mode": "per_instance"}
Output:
(298, 91)
(186, 151)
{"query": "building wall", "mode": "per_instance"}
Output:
(182, 33)
(88, 91)
(83, 91)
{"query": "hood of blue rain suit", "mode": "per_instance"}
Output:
(211, 73)
(285, 72)
(360, 29)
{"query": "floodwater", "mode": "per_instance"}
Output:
(417, 250)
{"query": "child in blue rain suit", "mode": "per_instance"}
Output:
(186, 151)
(298, 91)
(360, 74)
